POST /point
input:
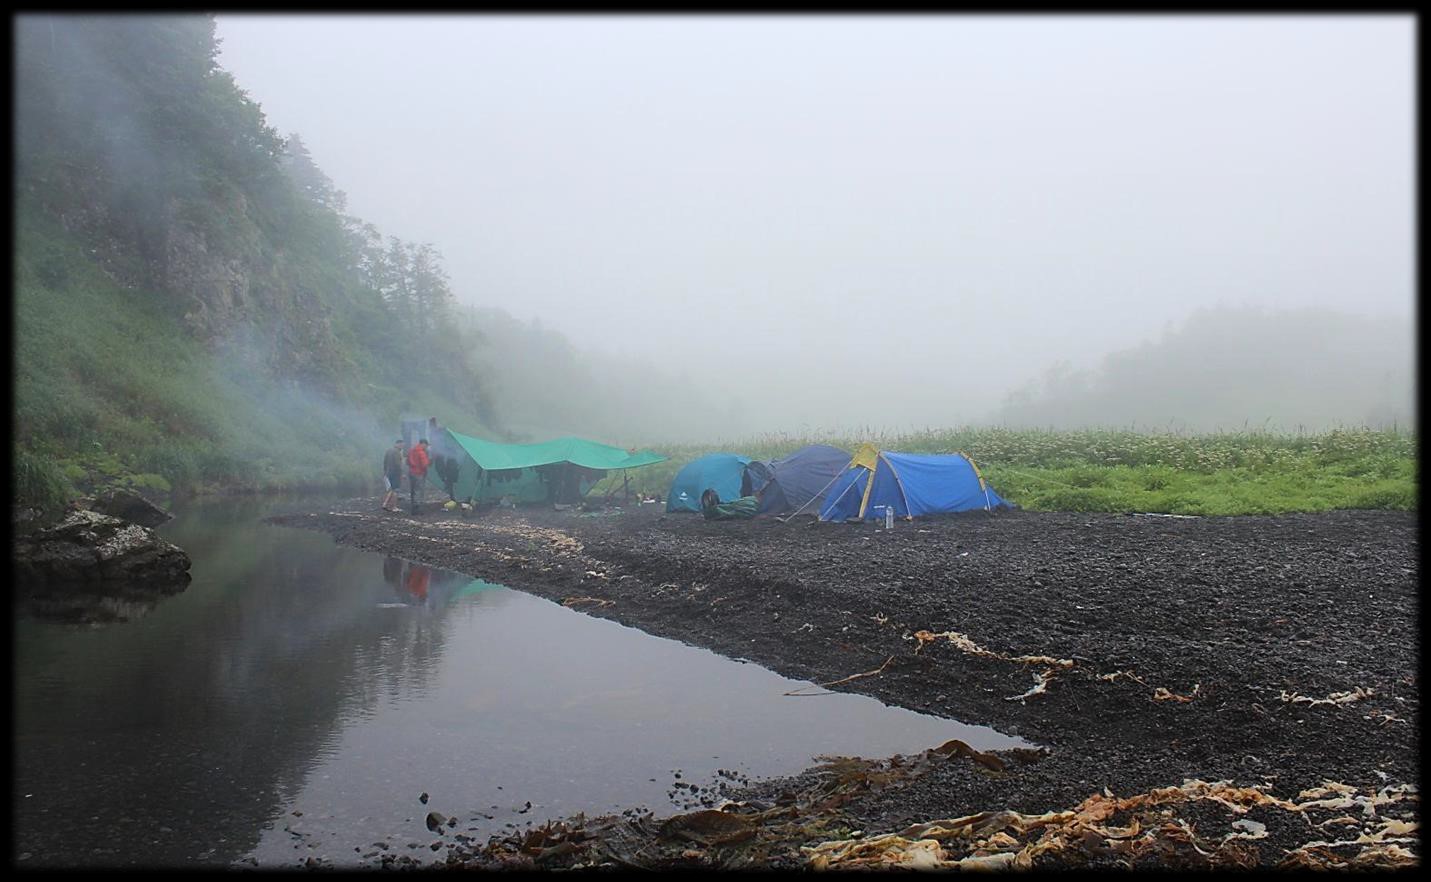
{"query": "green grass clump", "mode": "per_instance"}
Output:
(38, 482)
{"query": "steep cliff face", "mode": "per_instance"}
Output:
(212, 290)
(220, 289)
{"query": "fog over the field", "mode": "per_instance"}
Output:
(892, 221)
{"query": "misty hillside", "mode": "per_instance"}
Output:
(544, 385)
(1230, 369)
(194, 305)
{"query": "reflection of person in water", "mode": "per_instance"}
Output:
(392, 571)
(417, 579)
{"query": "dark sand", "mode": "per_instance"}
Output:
(1196, 647)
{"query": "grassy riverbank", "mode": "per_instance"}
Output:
(1229, 473)
(111, 391)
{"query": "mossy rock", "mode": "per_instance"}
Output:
(148, 481)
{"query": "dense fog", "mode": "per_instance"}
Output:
(730, 225)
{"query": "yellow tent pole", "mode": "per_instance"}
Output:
(983, 485)
(865, 500)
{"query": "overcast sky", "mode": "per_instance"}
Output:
(945, 204)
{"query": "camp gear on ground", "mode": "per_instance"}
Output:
(910, 484)
(722, 472)
(737, 509)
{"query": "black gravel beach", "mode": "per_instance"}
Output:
(1237, 691)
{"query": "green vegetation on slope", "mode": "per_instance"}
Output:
(110, 390)
(192, 308)
(1112, 470)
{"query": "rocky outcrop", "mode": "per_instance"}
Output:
(130, 507)
(89, 548)
(26, 519)
(214, 288)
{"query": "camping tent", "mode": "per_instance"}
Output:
(722, 472)
(911, 484)
(797, 482)
(562, 470)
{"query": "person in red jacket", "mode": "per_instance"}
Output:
(417, 463)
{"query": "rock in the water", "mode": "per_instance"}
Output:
(130, 507)
(89, 547)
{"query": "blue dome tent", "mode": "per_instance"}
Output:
(911, 484)
(797, 482)
(722, 472)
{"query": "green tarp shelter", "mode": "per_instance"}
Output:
(562, 470)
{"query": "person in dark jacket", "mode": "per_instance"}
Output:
(417, 463)
(447, 469)
(392, 475)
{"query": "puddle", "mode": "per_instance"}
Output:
(536, 711)
(300, 697)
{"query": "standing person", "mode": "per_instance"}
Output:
(449, 469)
(392, 475)
(417, 463)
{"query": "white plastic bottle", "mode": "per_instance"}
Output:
(889, 517)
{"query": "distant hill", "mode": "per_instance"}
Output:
(1229, 369)
(623, 399)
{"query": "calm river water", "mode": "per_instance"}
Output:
(299, 697)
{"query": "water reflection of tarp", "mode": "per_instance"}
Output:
(418, 585)
(476, 586)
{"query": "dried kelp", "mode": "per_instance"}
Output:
(1149, 828)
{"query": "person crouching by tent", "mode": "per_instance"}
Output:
(392, 475)
(417, 463)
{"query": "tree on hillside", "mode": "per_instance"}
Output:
(429, 285)
(310, 180)
(365, 242)
(131, 111)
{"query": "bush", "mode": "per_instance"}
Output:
(39, 482)
(1069, 499)
(150, 482)
(1157, 478)
(175, 463)
(1397, 498)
